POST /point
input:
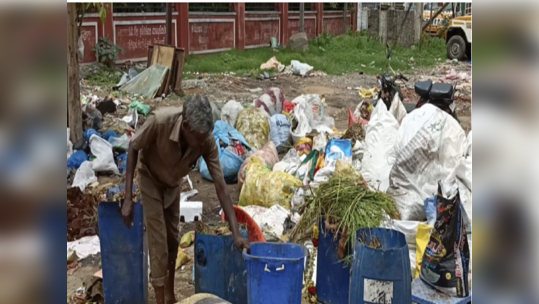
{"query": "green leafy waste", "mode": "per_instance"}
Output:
(349, 205)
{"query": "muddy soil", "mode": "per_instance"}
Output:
(341, 93)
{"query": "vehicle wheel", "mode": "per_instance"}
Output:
(456, 48)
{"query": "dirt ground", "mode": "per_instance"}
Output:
(341, 93)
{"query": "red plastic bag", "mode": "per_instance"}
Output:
(352, 119)
(288, 107)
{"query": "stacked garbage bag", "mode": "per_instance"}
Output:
(96, 153)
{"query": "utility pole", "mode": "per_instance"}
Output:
(169, 24)
(302, 17)
(345, 19)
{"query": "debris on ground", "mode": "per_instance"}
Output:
(356, 132)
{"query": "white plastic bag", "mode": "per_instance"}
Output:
(69, 145)
(84, 176)
(230, 112)
(320, 141)
(303, 114)
(397, 109)
(271, 220)
(121, 142)
(85, 247)
(104, 158)
(315, 103)
(290, 163)
(379, 154)
(429, 147)
(131, 118)
(301, 69)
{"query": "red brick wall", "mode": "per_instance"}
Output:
(206, 32)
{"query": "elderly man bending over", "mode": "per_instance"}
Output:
(170, 142)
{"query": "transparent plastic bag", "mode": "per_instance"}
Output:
(254, 126)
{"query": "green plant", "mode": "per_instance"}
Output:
(106, 51)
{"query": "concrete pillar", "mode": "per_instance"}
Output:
(418, 21)
(383, 26)
(182, 21)
(319, 7)
(284, 23)
(240, 25)
(108, 26)
(359, 15)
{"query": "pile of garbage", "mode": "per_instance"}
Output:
(295, 68)
(390, 169)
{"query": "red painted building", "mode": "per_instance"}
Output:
(234, 26)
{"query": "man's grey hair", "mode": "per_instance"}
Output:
(197, 112)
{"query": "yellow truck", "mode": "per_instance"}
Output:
(438, 25)
(458, 37)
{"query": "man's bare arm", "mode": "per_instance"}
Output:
(127, 208)
(228, 209)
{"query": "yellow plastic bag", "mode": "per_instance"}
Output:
(254, 126)
(182, 258)
(304, 146)
(421, 239)
(364, 93)
(266, 188)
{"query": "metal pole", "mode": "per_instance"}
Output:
(169, 24)
(302, 17)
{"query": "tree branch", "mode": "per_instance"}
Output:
(402, 24)
(434, 16)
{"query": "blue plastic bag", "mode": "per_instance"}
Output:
(76, 159)
(430, 210)
(230, 162)
(88, 133)
(280, 131)
(338, 149)
(121, 161)
(109, 134)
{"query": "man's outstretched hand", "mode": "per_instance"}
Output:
(242, 243)
(127, 212)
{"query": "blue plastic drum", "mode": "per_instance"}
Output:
(381, 268)
(275, 273)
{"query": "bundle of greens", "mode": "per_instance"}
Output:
(347, 205)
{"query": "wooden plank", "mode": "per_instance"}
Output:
(178, 72)
(164, 55)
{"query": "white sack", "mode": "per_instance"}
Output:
(397, 109)
(230, 112)
(84, 176)
(290, 163)
(104, 158)
(379, 155)
(428, 149)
